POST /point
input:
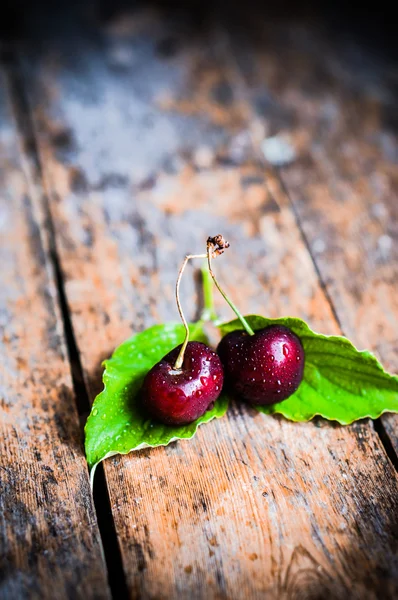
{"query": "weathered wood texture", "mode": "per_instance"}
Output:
(148, 144)
(340, 105)
(49, 539)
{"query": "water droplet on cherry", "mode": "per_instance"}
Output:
(185, 396)
(275, 351)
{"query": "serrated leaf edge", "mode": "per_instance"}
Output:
(145, 445)
(104, 364)
(318, 414)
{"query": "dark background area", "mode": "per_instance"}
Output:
(373, 26)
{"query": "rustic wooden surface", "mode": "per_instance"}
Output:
(49, 538)
(148, 142)
(343, 187)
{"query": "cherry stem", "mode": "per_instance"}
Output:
(208, 312)
(210, 249)
(180, 358)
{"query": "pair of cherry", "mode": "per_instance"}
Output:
(261, 367)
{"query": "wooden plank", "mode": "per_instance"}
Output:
(344, 183)
(49, 539)
(143, 157)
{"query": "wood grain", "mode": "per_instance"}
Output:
(49, 539)
(143, 156)
(344, 183)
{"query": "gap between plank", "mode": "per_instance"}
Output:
(377, 424)
(322, 282)
(241, 83)
(34, 175)
(385, 440)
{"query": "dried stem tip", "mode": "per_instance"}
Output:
(218, 243)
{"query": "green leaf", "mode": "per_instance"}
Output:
(117, 424)
(340, 383)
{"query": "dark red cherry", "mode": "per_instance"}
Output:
(263, 368)
(180, 396)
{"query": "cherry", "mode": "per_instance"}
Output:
(180, 396)
(265, 367)
(188, 380)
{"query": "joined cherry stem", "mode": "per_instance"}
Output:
(210, 255)
(214, 248)
(180, 358)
